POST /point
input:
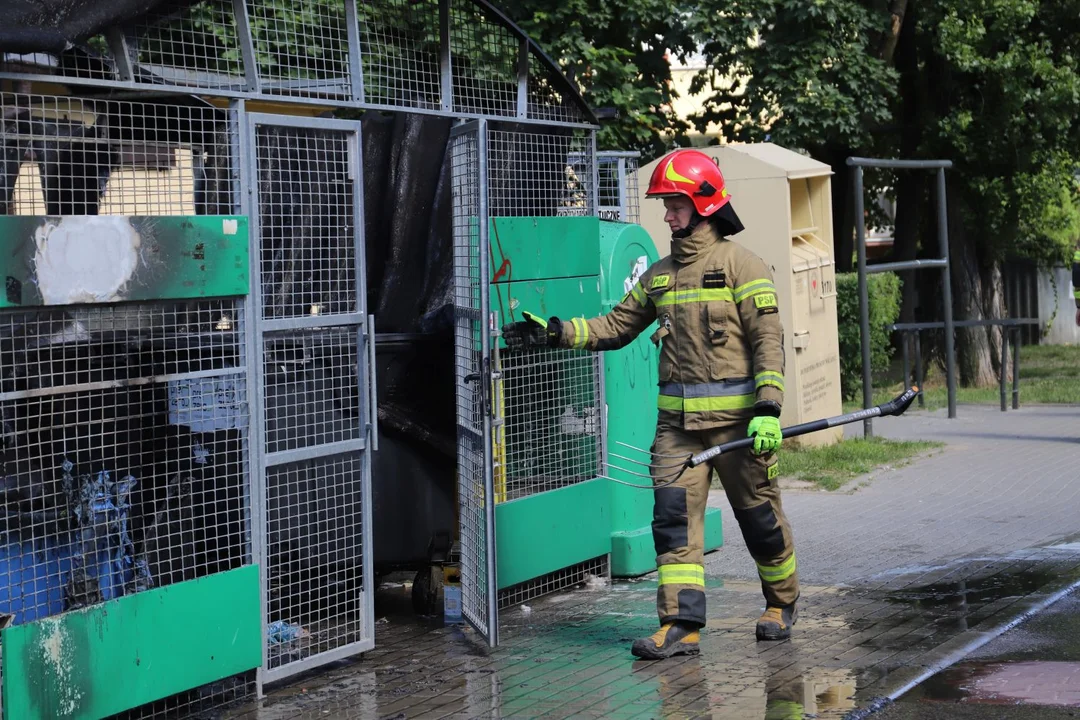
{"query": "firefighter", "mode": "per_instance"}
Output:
(721, 378)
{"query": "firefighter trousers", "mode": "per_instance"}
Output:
(752, 487)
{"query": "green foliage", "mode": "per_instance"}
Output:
(806, 74)
(883, 291)
(617, 55)
(1004, 106)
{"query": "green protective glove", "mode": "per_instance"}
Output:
(766, 432)
(533, 331)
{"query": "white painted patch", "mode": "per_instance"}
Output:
(56, 652)
(85, 259)
(230, 227)
(638, 270)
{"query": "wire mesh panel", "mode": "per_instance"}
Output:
(483, 56)
(593, 574)
(541, 171)
(123, 458)
(197, 46)
(308, 263)
(302, 48)
(552, 407)
(125, 433)
(314, 382)
(552, 420)
(550, 96)
(80, 156)
(457, 57)
(399, 42)
(618, 192)
(473, 377)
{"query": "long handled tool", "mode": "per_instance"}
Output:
(671, 467)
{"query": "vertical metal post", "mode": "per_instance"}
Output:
(252, 80)
(919, 368)
(1016, 371)
(246, 171)
(904, 346)
(485, 382)
(446, 75)
(946, 293)
(1003, 374)
(356, 64)
(121, 51)
(864, 301)
(523, 79)
(369, 395)
(624, 210)
(594, 191)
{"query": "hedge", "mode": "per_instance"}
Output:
(883, 290)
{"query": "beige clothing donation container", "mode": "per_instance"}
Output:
(784, 200)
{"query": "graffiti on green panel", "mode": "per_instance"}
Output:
(78, 259)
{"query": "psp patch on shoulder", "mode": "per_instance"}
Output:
(774, 471)
(765, 300)
(660, 281)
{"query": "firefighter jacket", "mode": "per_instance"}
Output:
(721, 341)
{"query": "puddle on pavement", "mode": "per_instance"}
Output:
(976, 591)
(996, 683)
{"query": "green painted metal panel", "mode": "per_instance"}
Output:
(633, 553)
(105, 659)
(78, 259)
(714, 529)
(542, 533)
(630, 376)
(541, 248)
(563, 298)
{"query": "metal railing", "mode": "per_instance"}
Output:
(941, 263)
(1009, 327)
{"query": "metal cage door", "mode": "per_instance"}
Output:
(316, 404)
(474, 378)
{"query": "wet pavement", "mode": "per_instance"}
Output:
(902, 576)
(568, 656)
(1032, 671)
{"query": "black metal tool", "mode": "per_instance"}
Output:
(672, 471)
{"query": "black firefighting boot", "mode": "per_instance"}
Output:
(776, 622)
(675, 638)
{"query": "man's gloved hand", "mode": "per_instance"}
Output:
(766, 433)
(533, 331)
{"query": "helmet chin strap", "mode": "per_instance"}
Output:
(695, 220)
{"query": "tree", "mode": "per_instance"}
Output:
(992, 85)
(804, 74)
(617, 55)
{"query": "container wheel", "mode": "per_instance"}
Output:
(425, 595)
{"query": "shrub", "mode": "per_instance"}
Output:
(883, 291)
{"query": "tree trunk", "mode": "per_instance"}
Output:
(912, 187)
(843, 206)
(978, 294)
(891, 38)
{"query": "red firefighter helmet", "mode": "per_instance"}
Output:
(691, 173)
